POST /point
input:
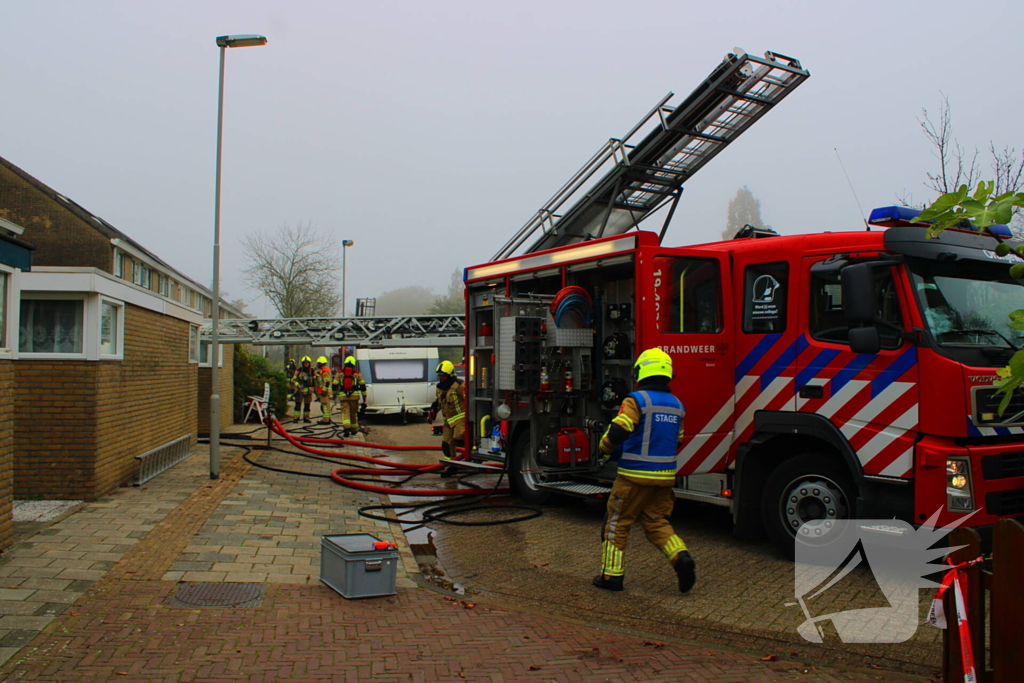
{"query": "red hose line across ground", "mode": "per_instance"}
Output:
(398, 469)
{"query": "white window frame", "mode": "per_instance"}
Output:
(90, 332)
(220, 356)
(12, 302)
(193, 344)
(119, 263)
(118, 333)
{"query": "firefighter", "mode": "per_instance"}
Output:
(302, 388)
(451, 403)
(646, 433)
(350, 389)
(289, 374)
(322, 384)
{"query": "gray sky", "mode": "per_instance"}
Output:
(430, 132)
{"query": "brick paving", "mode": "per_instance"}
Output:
(86, 600)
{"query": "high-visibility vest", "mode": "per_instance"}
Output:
(649, 451)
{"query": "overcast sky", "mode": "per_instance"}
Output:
(428, 133)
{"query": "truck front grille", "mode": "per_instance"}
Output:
(985, 402)
(1003, 503)
(1003, 465)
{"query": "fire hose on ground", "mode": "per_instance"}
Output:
(473, 498)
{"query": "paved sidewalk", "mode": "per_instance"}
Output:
(87, 600)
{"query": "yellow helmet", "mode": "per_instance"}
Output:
(652, 362)
(322, 359)
(446, 367)
(350, 360)
(306, 359)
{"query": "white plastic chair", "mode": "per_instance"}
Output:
(258, 403)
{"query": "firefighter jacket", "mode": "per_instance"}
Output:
(322, 380)
(348, 381)
(303, 380)
(451, 401)
(647, 433)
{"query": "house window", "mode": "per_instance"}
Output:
(51, 326)
(204, 354)
(193, 344)
(140, 274)
(163, 285)
(110, 315)
(119, 264)
(4, 278)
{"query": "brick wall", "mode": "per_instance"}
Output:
(79, 424)
(61, 238)
(226, 380)
(6, 452)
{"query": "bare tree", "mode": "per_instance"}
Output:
(297, 269)
(451, 301)
(957, 166)
(744, 209)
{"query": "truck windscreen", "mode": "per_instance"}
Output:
(965, 304)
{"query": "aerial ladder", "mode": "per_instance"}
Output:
(637, 175)
(644, 170)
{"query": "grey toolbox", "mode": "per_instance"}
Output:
(351, 565)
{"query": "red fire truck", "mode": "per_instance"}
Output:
(824, 376)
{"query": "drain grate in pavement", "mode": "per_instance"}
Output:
(192, 594)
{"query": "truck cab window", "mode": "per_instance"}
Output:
(828, 323)
(689, 295)
(764, 297)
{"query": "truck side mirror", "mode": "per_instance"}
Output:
(859, 303)
(865, 339)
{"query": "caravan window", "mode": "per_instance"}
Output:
(398, 370)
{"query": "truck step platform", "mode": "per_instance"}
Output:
(576, 488)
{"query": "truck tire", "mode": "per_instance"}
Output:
(522, 466)
(808, 487)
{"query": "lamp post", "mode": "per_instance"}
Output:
(345, 244)
(223, 42)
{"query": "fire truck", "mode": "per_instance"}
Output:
(825, 376)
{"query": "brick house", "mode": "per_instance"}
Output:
(15, 258)
(105, 358)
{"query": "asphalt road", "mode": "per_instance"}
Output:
(744, 596)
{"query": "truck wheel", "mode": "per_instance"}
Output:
(522, 472)
(809, 487)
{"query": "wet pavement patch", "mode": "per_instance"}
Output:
(192, 594)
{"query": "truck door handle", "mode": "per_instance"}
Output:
(812, 391)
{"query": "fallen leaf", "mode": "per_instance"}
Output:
(462, 675)
(769, 658)
(74, 614)
(875, 666)
(534, 668)
(653, 643)
(121, 673)
(526, 637)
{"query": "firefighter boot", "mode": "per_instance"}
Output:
(609, 583)
(449, 471)
(686, 571)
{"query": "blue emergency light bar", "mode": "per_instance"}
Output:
(896, 216)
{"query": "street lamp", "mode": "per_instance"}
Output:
(223, 42)
(344, 245)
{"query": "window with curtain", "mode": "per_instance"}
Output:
(51, 326)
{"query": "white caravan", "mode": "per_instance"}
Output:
(398, 380)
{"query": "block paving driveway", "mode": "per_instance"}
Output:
(86, 598)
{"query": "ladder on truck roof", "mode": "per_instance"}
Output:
(380, 331)
(640, 178)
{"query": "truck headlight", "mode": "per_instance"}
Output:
(958, 485)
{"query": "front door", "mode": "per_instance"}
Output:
(687, 298)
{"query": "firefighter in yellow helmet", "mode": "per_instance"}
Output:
(303, 382)
(323, 388)
(350, 389)
(451, 403)
(646, 435)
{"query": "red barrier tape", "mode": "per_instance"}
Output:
(956, 578)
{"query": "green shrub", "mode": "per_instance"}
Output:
(251, 372)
